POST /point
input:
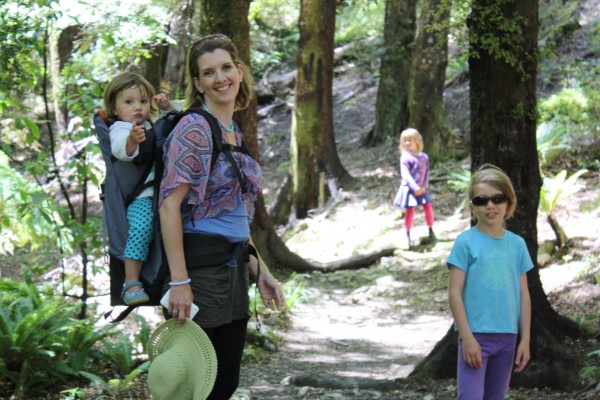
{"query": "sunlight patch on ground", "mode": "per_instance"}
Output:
(556, 275)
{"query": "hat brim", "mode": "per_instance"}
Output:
(197, 344)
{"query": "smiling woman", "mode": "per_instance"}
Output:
(198, 204)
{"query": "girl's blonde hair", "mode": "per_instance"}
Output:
(410, 133)
(124, 81)
(496, 178)
(208, 44)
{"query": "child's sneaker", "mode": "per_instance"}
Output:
(133, 298)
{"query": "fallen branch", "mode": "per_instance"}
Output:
(328, 382)
(351, 263)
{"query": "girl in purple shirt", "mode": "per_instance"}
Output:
(414, 169)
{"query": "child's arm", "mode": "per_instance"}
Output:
(471, 348)
(163, 101)
(123, 146)
(523, 355)
(136, 137)
(405, 173)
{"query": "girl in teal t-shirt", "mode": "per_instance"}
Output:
(488, 291)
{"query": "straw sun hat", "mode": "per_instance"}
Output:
(184, 363)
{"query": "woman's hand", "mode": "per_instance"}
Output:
(270, 290)
(180, 301)
(268, 287)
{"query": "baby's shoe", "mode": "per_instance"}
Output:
(133, 298)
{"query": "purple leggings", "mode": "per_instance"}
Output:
(490, 382)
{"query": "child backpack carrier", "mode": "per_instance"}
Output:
(124, 181)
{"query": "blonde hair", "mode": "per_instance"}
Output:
(124, 81)
(208, 44)
(413, 134)
(496, 178)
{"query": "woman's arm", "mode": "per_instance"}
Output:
(471, 348)
(523, 355)
(181, 296)
(269, 288)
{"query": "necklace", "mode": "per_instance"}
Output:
(231, 128)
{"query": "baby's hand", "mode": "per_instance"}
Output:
(163, 101)
(138, 133)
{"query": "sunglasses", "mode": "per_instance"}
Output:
(483, 200)
(216, 36)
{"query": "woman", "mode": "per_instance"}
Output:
(198, 204)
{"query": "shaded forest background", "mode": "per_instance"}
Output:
(56, 58)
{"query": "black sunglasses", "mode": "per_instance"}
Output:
(483, 200)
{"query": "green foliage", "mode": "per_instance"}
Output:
(558, 188)
(457, 65)
(28, 216)
(118, 388)
(570, 105)
(575, 109)
(19, 34)
(274, 32)
(551, 140)
(73, 394)
(81, 339)
(359, 20)
(34, 338)
(42, 344)
(559, 20)
(121, 353)
(590, 373)
(459, 182)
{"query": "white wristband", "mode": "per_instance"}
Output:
(188, 280)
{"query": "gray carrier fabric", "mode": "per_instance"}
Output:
(120, 183)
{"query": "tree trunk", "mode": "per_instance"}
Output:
(503, 100)
(313, 149)
(392, 94)
(152, 67)
(426, 103)
(179, 29)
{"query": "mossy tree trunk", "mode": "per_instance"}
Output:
(503, 101)
(426, 100)
(391, 108)
(313, 149)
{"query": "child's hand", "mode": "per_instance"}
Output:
(420, 191)
(163, 101)
(138, 134)
(472, 353)
(523, 356)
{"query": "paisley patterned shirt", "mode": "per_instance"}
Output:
(187, 157)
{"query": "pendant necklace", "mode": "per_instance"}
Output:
(230, 129)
